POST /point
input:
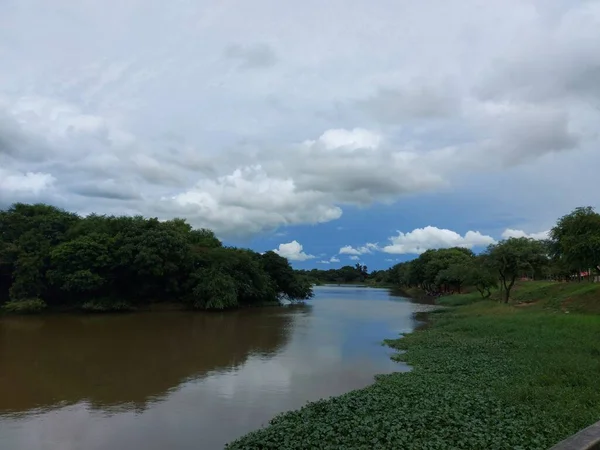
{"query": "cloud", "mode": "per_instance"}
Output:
(27, 183)
(567, 49)
(292, 251)
(255, 56)
(394, 105)
(350, 140)
(421, 239)
(248, 201)
(171, 127)
(323, 262)
(108, 189)
(510, 233)
(354, 258)
(367, 248)
(333, 259)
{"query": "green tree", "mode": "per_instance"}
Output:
(512, 258)
(575, 239)
(289, 284)
(483, 280)
(213, 289)
(455, 275)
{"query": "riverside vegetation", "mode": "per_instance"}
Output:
(50, 258)
(509, 364)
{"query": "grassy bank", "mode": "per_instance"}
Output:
(485, 376)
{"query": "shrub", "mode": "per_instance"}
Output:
(106, 305)
(26, 306)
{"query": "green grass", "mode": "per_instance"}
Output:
(485, 376)
(550, 295)
(459, 299)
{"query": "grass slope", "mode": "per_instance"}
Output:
(485, 376)
(581, 297)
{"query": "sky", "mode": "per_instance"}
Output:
(332, 132)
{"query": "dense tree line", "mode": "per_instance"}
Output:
(50, 257)
(571, 252)
(346, 274)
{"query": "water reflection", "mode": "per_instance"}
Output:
(187, 381)
(126, 361)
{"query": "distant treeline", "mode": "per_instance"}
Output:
(53, 258)
(347, 274)
(571, 252)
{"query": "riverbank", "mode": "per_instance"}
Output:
(485, 375)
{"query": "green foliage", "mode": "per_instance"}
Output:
(214, 289)
(290, 285)
(346, 274)
(70, 261)
(515, 257)
(482, 279)
(25, 306)
(575, 240)
(104, 305)
(485, 376)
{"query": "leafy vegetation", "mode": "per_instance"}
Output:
(571, 253)
(346, 274)
(515, 257)
(105, 263)
(485, 375)
(575, 241)
(25, 306)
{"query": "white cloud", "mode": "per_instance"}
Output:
(341, 139)
(333, 259)
(354, 258)
(248, 201)
(421, 239)
(349, 250)
(366, 249)
(323, 262)
(292, 251)
(29, 182)
(315, 121)
(510, 233)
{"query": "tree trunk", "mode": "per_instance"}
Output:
(507, 289)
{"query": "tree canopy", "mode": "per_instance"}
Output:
(515, 257)
(575, 240)
(52, 257)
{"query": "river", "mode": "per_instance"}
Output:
(182, 380)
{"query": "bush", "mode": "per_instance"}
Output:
(214, 290)
(106, 305)
(27, 306)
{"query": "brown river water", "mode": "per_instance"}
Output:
(183, 380)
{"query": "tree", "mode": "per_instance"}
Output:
(483, 280)
(456, 275)
(288, 284)
(575, 239)
(513, 257)
(100, 263)
(427, 267)
(213, 289)
(361, 271)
